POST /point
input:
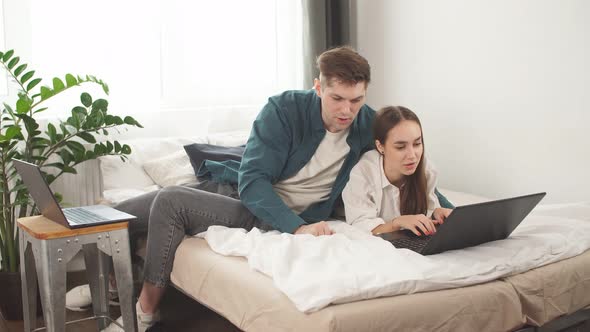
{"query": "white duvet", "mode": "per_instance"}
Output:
(350, 265)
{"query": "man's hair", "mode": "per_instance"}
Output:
(343, 65)
(413, 196)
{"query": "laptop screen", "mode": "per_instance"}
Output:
(40, 191)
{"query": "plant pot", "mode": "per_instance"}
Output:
(11, 297)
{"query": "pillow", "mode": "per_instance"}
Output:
(197, 153)
(118, 174)
(171, 170)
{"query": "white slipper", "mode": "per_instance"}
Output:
(79, 298)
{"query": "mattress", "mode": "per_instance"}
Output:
(249, 300)
(553, 290)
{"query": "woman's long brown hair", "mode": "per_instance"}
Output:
(413, 198)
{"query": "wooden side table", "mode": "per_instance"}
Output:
(45, 249)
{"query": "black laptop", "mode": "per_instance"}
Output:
(70, 217)
(469, 225)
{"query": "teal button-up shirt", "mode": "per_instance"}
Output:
(284, 137)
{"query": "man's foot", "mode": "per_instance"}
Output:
(144, 321)
(79, 298)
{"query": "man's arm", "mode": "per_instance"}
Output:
(264, 158)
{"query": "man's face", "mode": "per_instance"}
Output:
(340, 103)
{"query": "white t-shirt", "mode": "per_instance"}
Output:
(313, 183)
(371, 200)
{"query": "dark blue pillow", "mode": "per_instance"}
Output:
(198, 153)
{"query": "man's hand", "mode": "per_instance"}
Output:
(317, 229)
(440, 214)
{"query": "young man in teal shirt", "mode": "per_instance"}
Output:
(296, 163)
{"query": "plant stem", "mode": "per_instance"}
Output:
(8, 226)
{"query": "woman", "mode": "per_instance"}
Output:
(392, 187)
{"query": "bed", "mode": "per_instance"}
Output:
(250, 300)
(552, 296)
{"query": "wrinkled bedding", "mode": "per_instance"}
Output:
(350, 265)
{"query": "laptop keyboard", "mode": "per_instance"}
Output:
(82, 216)
(413, 243)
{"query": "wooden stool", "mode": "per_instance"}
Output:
(47, 247)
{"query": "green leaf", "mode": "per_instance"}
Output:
(75, 146)
(100, 104)
(86, 99)
(71, 80)
(30, 124)
(58, 85)
(109, 147)
(13, 62)
(90, 155)
(57, 165)
(129, 120)
(23, 106)
(66, 156)
(69, 169)
(7, 55)
(125, 149)
(12, 131)
(51, 132)
(117, 147)
(105, 88)
(87, 137)
(39, 110)
(27, 76)
(46, 92)
(80, 110)
(33, 84)
(20, 69)
(74, 121)
(99, 149)
(18, 187)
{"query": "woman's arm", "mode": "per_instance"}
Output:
(362, 202)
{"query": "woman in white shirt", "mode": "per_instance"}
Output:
(392, 188)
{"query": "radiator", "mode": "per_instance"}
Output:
(84, 188)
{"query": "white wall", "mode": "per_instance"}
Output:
(502, 88)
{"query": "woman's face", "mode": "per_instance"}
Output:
(402, 150)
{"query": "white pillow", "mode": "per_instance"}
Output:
(115, 196)
(118, 174)
(171, 170)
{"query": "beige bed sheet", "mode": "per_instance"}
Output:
(250, 301)
(554, 290)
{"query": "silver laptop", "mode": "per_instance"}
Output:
(70, 217)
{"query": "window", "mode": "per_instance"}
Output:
(172, 55)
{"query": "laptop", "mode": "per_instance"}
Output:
(76, 217)
(469, 225)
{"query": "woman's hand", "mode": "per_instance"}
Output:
(440, 214)
(416, 223)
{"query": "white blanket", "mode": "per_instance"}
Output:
(350, 265)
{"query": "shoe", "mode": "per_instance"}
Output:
(79, 298)
(144, 321)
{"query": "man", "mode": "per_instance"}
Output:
(296, 163)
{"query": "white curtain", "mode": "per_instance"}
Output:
(172, 56)
(3, 77)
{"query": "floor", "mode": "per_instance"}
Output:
(179, 313)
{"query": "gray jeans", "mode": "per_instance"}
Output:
(167, 215)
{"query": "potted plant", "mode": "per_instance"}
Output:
(56, 149)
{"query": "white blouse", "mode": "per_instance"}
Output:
(371, 200)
